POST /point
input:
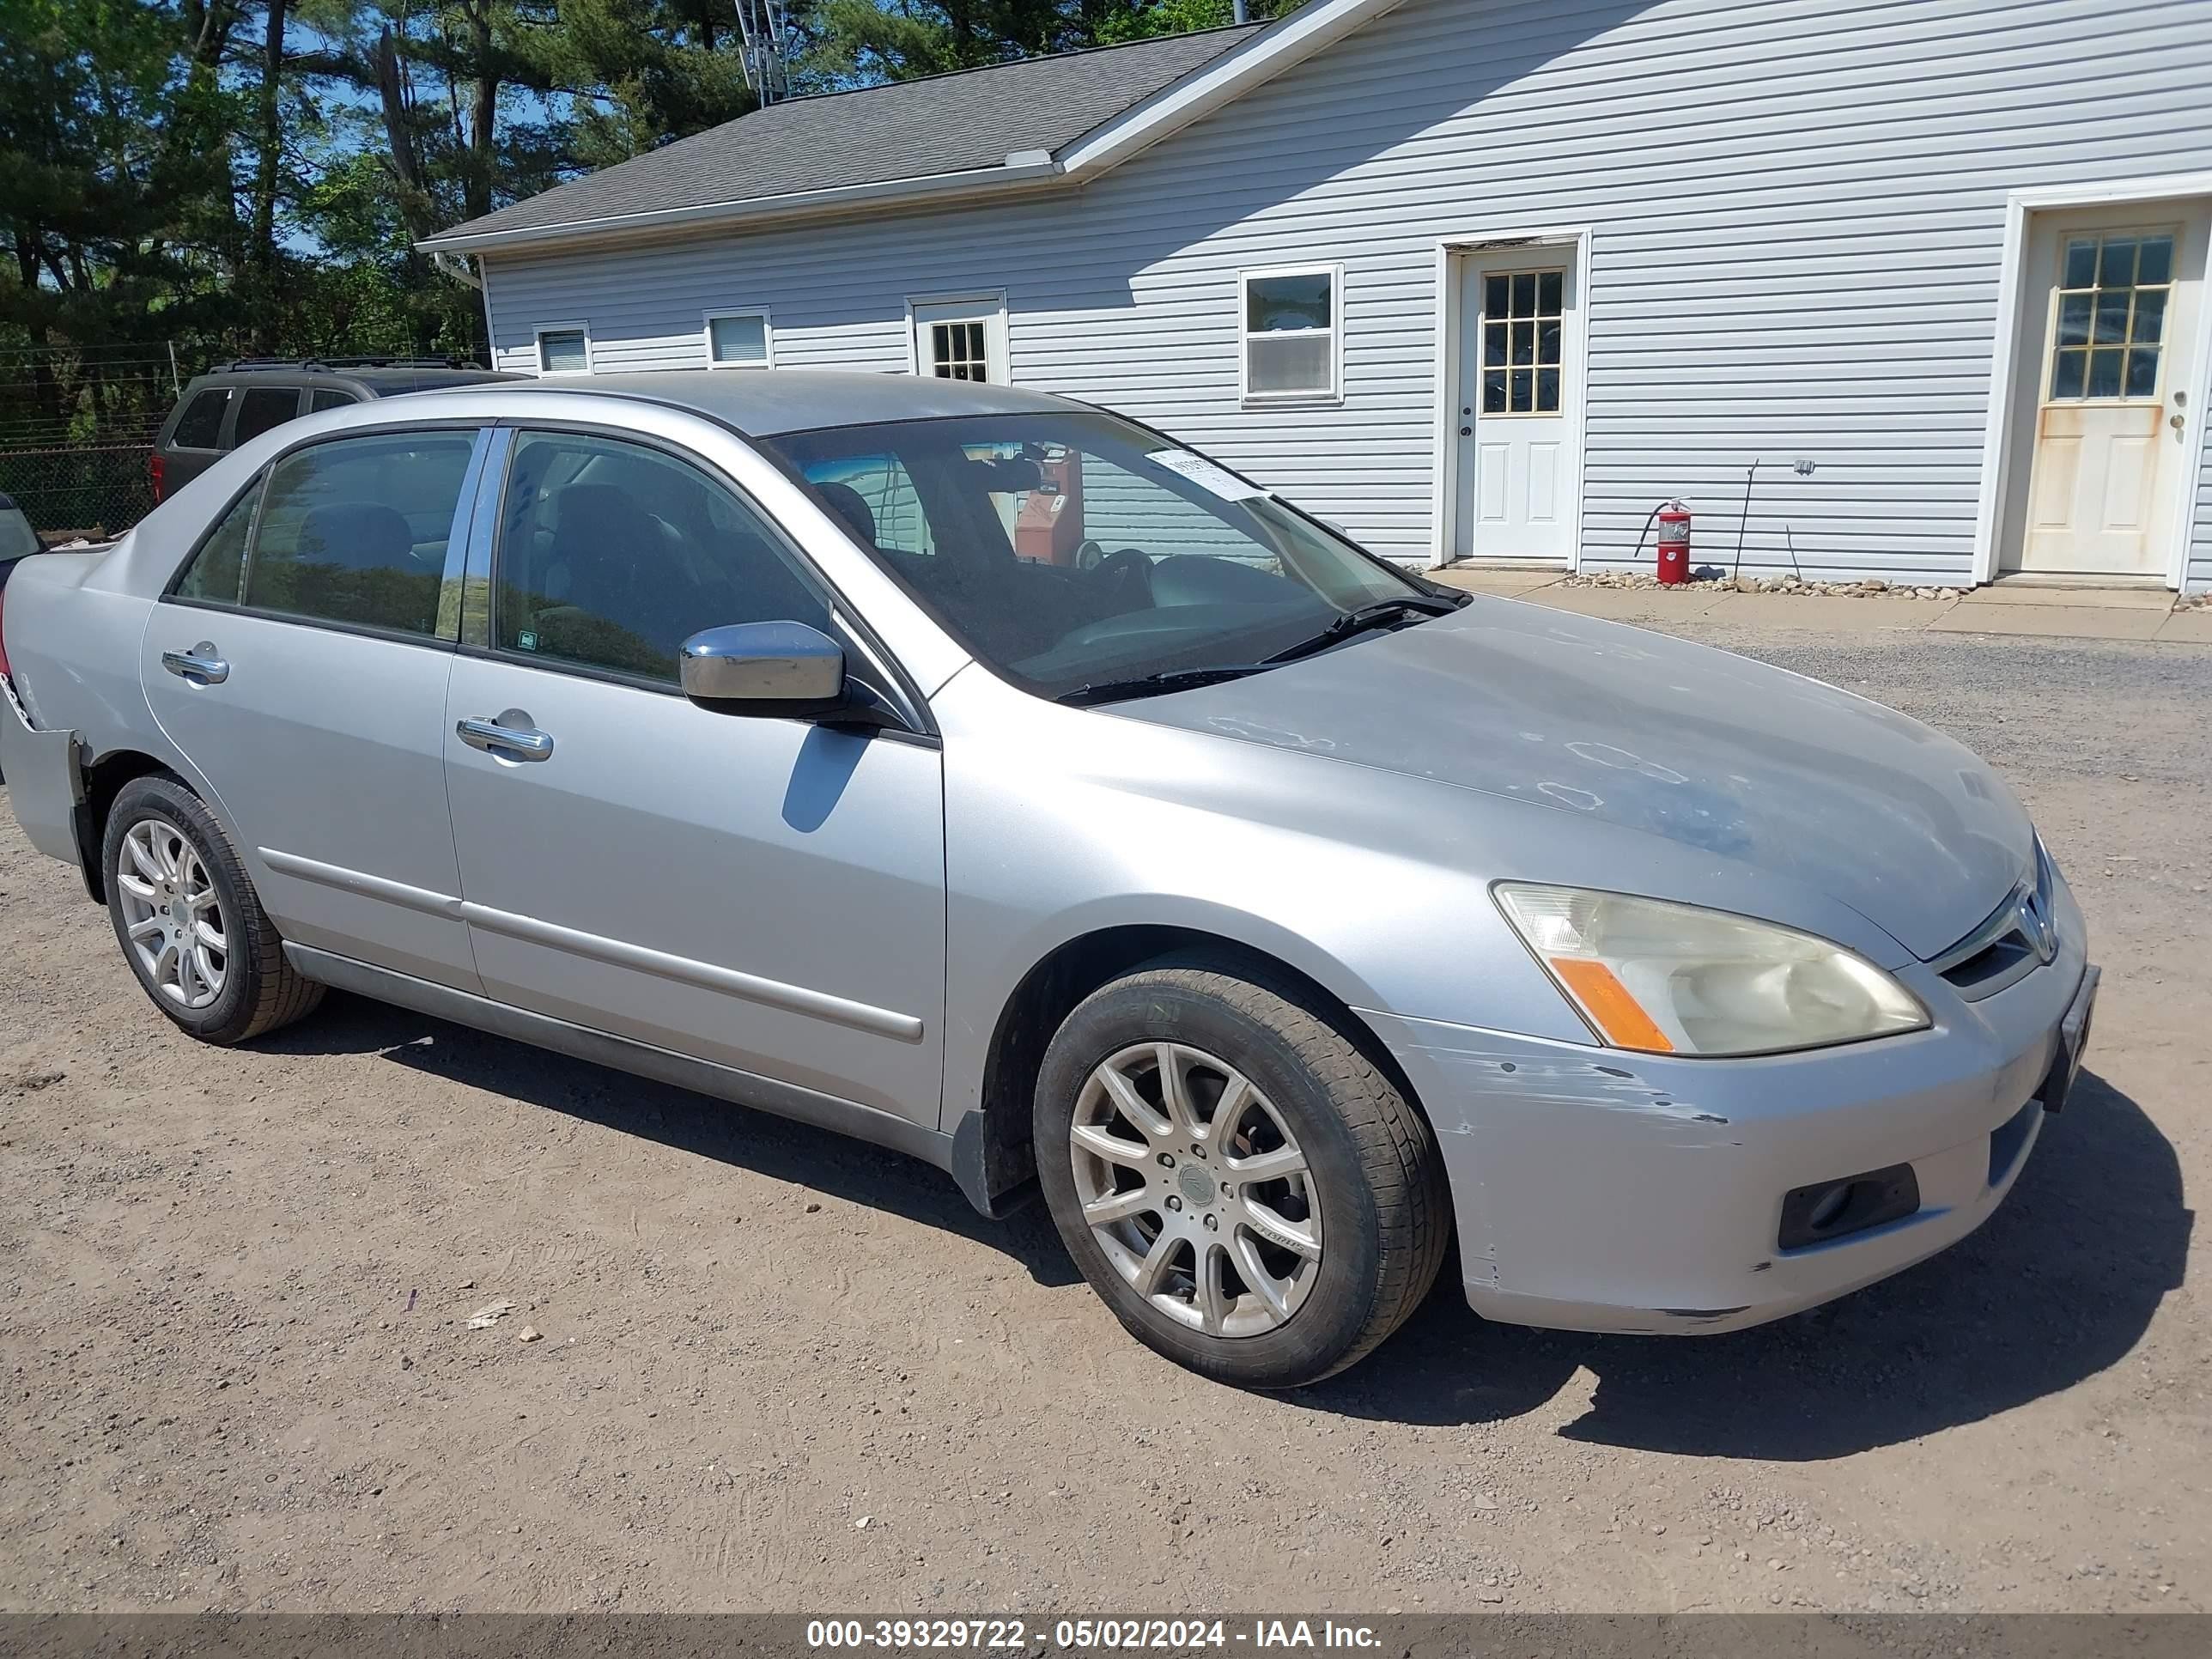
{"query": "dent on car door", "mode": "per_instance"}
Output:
(761, 893)
(300, 664)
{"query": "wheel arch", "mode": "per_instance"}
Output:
(104, 780)
(993, 1159)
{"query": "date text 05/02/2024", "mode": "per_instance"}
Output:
(1084, 1635)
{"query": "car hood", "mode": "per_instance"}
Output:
(1711, 750)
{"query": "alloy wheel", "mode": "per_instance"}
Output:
(1195, 1190)
(171, 915)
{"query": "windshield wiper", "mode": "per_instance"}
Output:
(1154, 685)
(1388, 613)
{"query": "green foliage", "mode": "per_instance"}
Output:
(220, 176)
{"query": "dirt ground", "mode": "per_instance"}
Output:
(782, 1371)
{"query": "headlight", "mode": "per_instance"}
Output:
(1662, 978)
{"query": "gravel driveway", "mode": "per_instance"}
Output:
(775, 1370)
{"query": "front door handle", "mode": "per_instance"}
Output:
(520, 743)
(200, 664)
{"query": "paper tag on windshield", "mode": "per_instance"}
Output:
(1206, 476)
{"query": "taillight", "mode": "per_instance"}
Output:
(154, 474)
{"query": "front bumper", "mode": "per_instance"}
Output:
(1602, 1191)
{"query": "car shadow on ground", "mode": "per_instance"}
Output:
(820, 1159)
(2059, 1285)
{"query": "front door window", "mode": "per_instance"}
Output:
(2113, 295)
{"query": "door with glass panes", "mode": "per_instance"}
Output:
(2114, 435)
(1517, 466)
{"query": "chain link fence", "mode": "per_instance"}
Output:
(92, 490)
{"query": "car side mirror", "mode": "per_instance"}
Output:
(772, 668)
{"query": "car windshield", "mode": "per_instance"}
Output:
(1082, 557)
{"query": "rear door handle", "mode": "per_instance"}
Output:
(200, 662)
(520, 743)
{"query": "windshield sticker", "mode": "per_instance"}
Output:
(1206, 476)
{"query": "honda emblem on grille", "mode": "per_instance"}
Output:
(2037, 928)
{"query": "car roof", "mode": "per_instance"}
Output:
(768, 402)
(382, 380)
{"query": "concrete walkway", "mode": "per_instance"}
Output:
(2087, 613)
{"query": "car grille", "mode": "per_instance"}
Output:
(2014, 939)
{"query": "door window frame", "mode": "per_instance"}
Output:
(482, 558)
(446, 635)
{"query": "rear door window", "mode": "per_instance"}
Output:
(355, 531)
(218, 569)
(200, 427)
(264, 409)
(327, 399)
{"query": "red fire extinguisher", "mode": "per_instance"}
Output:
(1674, 544)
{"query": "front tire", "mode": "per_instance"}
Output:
(189, 922)
(1250, 1194)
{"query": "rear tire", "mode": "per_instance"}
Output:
(189, 922)
(1246, 1190)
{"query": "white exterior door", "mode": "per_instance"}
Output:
(1518, 470)
(2113, 440)
(961, 339)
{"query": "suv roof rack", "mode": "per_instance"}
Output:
(253, 364)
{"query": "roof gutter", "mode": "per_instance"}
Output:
(1218, 81)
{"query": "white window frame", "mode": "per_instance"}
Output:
(986, 306)
(537, 348)
(1308, 399)
(727, 314)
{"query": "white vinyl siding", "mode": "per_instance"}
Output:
(1797, 210)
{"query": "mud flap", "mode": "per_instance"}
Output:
(46, 785)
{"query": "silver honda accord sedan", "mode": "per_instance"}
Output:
(994, 779)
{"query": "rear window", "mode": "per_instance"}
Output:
(200, 427)
(323, 400)
(264, 409)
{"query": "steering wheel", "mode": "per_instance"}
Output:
(1125, 575)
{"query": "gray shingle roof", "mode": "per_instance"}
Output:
(906, 130)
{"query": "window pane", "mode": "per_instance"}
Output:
(2150, 315)
(354, 531)
(2082, 262)
(1497, 296)
(1493, 391)
(739, 339)
(1524, 391)
(2156, 264)
(2142, 372)
(873, 496)
(611, 555)
(564, 351)
(216, 568)
(1494, 336)
(200, 427)
(2117, 269)
(1294, 364)
(1524, 295)
(323, 400)
(2112, 318)
(1547, 390)
(2069, 375)
(263, 409)
(2074, 311)
(1547, 343)
(1548, 284)
(1274, 303)
(1524, 343)
(2105, 373)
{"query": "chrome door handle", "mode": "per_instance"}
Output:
(200, 662)
(514, 743)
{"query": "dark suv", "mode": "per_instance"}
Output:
(229, 404)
